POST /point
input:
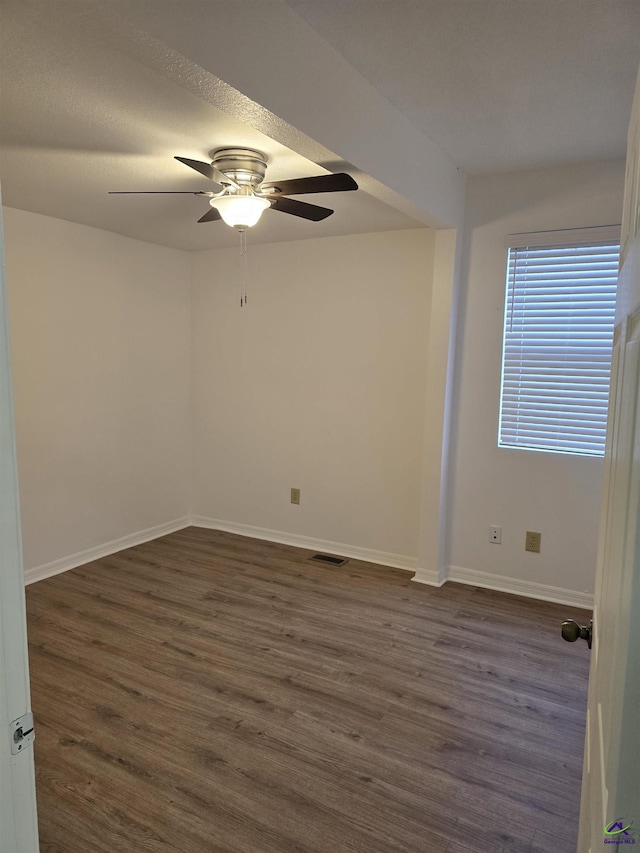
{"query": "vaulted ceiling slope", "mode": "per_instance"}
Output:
(99, 95)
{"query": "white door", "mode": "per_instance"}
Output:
(610, 810)
(18, 821)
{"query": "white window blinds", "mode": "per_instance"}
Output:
(559, 317)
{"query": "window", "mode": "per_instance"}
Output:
(558, 335)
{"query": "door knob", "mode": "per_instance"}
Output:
(571, 631)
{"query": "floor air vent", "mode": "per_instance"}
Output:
(327, 558)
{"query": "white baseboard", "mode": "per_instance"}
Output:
(515, 586)
(38, 573)
(385, 558)
(430, 577)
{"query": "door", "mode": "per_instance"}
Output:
(18, 822)
(610, 808)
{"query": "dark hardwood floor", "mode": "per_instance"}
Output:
(206, 692)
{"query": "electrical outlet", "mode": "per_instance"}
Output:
(295, 496)
(495, 535)
(532, 541)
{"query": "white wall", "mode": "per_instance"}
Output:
(319, 383)
(100, 328)
(555, 494)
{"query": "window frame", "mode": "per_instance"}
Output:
(540, 389)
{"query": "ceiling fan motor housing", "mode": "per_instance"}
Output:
(243, 165)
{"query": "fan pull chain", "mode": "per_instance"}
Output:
(243, 267)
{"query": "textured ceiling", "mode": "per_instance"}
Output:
(497, 84)
(88, 107)
(85, 110)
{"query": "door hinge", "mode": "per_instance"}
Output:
(21, 733)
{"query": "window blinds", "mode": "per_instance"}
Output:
(559, 318)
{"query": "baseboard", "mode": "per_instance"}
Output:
(515, 586)
(430, 577)
(457, 574)
(38, 573)
(368, 555)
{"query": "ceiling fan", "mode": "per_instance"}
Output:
(243, 197)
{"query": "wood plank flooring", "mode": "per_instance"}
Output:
(206, 692)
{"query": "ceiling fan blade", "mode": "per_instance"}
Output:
(313, 212)
(338, 183)
(208, 171)
(210, 216)
(158, 192)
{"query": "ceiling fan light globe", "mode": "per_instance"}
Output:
(240, 211)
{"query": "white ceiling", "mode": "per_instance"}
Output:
(496, 84)
(82, 114)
